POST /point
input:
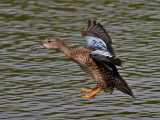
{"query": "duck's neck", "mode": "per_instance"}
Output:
(65, 49)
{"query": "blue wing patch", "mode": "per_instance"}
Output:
(101, 52)
(95, 43)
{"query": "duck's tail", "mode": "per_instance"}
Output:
(123, 86)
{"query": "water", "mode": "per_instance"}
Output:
(42, 84)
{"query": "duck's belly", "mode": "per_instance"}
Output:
(87, 69)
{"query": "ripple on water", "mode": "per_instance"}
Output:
(43, 84)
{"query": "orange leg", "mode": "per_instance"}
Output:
(87, 91)
(92, 95)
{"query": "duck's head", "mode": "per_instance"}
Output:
(50, 42)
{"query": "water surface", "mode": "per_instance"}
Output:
(43, 84)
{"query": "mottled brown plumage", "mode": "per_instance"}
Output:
(99, 67)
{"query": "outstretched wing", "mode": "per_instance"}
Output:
(97, 37)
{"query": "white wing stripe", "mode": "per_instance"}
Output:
(105, 53)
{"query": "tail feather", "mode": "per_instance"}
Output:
(123, 87)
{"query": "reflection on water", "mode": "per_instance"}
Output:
(43, 84)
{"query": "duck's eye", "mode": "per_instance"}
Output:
(49, 41)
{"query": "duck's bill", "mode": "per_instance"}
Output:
(38, 47)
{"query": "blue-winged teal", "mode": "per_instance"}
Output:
(98, 59)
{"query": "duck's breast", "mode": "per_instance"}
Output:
(83, 59)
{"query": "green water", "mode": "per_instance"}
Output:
(42, 84)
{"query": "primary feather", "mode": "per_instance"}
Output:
(97, 37)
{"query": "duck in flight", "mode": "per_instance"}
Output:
(98, 59)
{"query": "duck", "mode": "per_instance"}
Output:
(97, 59)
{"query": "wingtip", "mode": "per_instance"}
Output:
(98, 30)
(94, 22)
(89, 21)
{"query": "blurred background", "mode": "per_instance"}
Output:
(42, 84)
